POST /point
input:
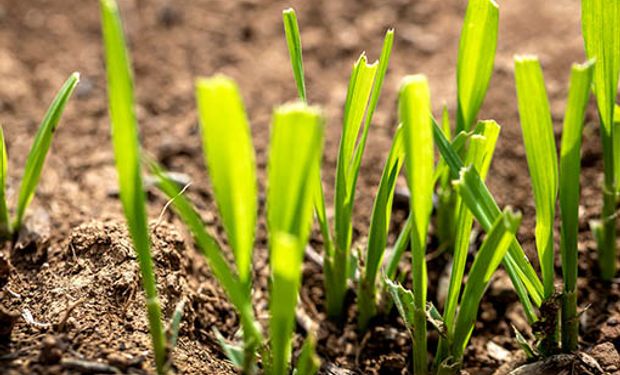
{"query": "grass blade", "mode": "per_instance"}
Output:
(601, 33)
(570, 170)
(479, 154)
(488, 258)
(414, 111)
(360, 86)
(229, 156)
(479, 200)
(127, 156)
(293, 42)
(40, 147)
(542, 159)
(475, 62)
(378, 231)
(5, 224)
(296, 148)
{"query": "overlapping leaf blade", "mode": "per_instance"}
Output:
(479, 200)
(296, 147)
(488, 258)
(378, 231)
(414, 111)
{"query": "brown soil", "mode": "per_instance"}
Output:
(73, 300)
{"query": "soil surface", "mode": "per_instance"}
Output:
(71, 302)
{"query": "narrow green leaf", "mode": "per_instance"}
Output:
(308, 362)
(476, 56)
(479, 154)
(601, 33)
(127, 156)
(479, 200)
(616, 146)
(362, 98)
(40, 147)
(488, 258)
(570, 170)
(414, 111)
(5, 224)
(293, 42)
(229, 156)
(296, 147)
(542, 159)
(378, 231)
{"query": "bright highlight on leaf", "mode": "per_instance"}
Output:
(229, 156)
(295, 150)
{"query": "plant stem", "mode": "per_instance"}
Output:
(570, 322)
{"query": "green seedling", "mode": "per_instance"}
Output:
(34, 162)
(128, 161)
(601, 33)
(414, 108)
(542, 161)
(570, 169)
(295, 149)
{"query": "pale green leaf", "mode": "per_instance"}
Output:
(229, 156)
(5, 224)
(486, 261)
(40, 147)
(293, 42)
(127, 157)
(414, 112)
(476, 56)
(542, 159)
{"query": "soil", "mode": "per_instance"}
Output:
(70, 299)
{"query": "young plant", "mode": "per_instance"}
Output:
(479, 154)
(601, 33)
(483, 206)
(296, 146)
(34, 163)
(414, 112)
(362, 99)
(127, 156)
(476, 56)
(570, 169)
